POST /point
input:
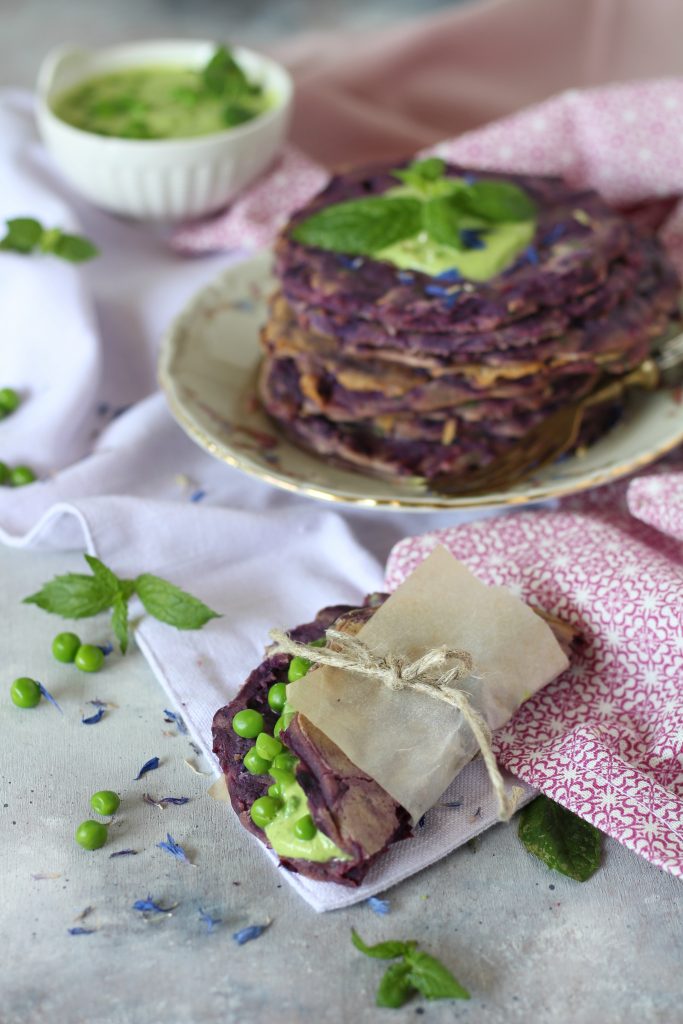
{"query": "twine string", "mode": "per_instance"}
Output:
(435, 673)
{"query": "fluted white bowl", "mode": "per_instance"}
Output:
(160, 179)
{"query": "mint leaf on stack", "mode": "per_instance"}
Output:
(361, 227)
(414, 972)
(78, 596)
(561, 839)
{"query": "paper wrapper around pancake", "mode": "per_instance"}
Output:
(411, 743)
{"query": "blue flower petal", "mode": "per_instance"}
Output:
(148, 766)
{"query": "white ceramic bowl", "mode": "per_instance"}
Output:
(160, 179)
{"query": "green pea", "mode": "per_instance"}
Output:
(91, 834)
(305, 827)
(278, 727)
(298, 667)
(105, 802)
(277, 695)
(320, 642)
(21, 475)
(274, 791)
(89, 658)
(285, 760)
(282, 777)
(263, 811)
(25, 692)
(65, 646)
(267, 746)
(255, 764)
(248, 723)
(9, 400)
(4, 473)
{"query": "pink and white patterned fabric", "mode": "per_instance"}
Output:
(606, 738)
(624, 140)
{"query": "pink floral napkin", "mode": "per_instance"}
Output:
(624, 140)
(606, 738)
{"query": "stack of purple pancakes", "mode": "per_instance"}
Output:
(402, 374)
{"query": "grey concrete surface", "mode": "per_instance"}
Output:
(532, 946)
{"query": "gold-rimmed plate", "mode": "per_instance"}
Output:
(207, 369)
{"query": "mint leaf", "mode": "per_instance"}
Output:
(498, 201)
(562, 840)
(119, 621)
(74, 596)
(75, 249)
(172, 605)
(106, 577)
(421, 171)
(429, 976)
(361, 226)
(383, 950)
(441, 219)
(223, 76)
(395, 988)
(23, 234)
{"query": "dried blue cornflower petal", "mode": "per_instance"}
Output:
(208, 920)
(452, 275)
(531, 255)
(379, 906)
(48, 696)
(106, 648)
(149, 906)
(421, 822)
(451, 803)
(164, 801)
(94, 719)
(197, 495)
(175, 849)
(81, 931)
(469, 179)
(405, 277)
(173, 716)
(99, 703)
(253, 931)
(471, 238)
(556, 232)
(148, 766)
(123, 853)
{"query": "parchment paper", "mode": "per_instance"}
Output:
(412, 744)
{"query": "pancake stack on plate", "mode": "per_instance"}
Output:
(401, 373)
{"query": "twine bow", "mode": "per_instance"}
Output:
(435, 673)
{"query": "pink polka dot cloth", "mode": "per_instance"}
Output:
(624, 140)
(605, 739)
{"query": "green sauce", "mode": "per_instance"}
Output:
(158, 103)
(281, 835)
(503, 242)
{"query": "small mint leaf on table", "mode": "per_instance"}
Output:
(388, 950)
(172, 605)
(106, 577)
(75, 249)
(395, 987)
(23, 235)
(73, 596)
(430, 977)
(561, 839)
(361, 227)
(119, 621)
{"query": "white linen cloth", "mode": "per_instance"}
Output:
(117, 475)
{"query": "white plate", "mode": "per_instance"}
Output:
(208, 365)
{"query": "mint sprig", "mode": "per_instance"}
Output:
(26, 235)
(562, 840)
(415, 971)
(436, 204)
(78, 596)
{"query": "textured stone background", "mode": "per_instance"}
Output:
(532, 946)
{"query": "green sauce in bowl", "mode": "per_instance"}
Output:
(164, 102)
